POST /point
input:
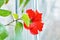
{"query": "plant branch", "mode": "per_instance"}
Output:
(12, 22)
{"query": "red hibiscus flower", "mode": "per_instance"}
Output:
(36, 21)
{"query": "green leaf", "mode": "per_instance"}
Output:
(3, 32)
(4, 13)
(26, 2)
(22, 10)
(26, 19)
(21, 1)
(18, 27)
(1, 2)
(15, 16)
(6, 1)
(1, 39)
(18, 30)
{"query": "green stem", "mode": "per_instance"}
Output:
(35, 37)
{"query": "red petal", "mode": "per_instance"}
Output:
(34, 31)
(26, 26)
(39, 26)
(38, 16)
(32, 25)
(30, 13)
(33, 28)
